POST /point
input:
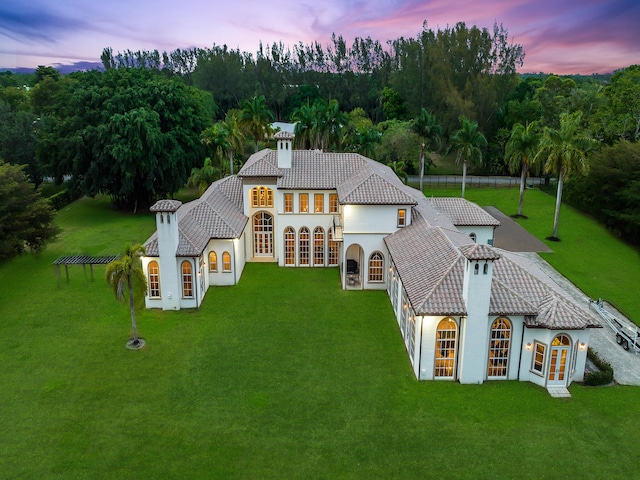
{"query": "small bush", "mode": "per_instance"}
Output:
(603, 376)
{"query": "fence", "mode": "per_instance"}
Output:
(480, 181)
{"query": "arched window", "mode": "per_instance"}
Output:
(333, 249)
(213, 262)
(558, 360)
(261, 197)
(473, 237)
(187, 279)
(318, 246)
(485, 268)
(446, 344)
(262, 234)
(226, 262)
(154, 279)
(499, 344)
(376, 267)
(303, 249)
(289, 246)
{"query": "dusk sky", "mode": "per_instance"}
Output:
(559, 36)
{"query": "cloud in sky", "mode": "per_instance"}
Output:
(572, 36)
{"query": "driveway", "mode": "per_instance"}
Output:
(512, 237)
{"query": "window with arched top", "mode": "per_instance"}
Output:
(473, 237)
(303, 246)
(446, 346)
(332, 247)
(261, 197)
(499, 343)
(318, 246)
(154, 279)
(262, 234)
(213, 262)
(187, 279)
(226, 262)
(289, 246)
(376, 267)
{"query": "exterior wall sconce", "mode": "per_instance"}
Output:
(529, 346)
(583, 346)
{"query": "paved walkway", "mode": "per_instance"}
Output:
(626, 364)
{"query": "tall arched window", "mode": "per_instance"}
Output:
(154, 279)
(558, 360)
(187, 279)
(446, 344)
(226, 262)
(213, 262)
(303, 249)
(333, 249)
(499, 344)
(376, 267)
(261, 197)
(289, 246)
(318, 246)
(262, 234)
(473, 237)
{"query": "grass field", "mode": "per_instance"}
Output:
(283, 376)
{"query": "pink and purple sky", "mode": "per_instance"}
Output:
(559, 36)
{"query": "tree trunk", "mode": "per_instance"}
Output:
(556, 216)
(231, 162)
(133, 311)
(421, 165)
(523, 180)
(464, 176)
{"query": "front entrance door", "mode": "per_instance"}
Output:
(558, 361)
(263, 235)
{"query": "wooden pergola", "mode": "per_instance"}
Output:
(83, 260)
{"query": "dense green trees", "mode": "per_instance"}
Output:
(429, 131)
(128, 133)
(26, 219)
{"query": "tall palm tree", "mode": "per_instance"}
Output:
(564, 152)
(335, 121)
(234, 135)
(467, 142)
(428, 129)
(520, 152)
(365, 140)
(256, 118)
(127, 270)
(305, 119)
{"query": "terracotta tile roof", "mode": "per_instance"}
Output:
(284, 135)
(463, 212)
(370, 188)
(216, 214)
(430, 262)
(261, 164)
(165, 206)
(316, 170)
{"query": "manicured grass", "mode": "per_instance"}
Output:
(281, 376)
(588, 254)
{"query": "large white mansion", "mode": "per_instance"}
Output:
(467, 311)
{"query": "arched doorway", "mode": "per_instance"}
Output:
(558, 360)
(353, 266)
(263, 235)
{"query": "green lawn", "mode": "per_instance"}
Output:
(282, 376)
(588, 254)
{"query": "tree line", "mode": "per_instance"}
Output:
(151, 122)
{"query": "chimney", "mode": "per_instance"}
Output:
(285, 145)
(168, 238)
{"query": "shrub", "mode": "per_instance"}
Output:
(603, 376)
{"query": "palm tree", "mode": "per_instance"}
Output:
(398, 168)
(520, 152)
(256, 118)
(428, 129)
(564, 153)
(304, 118)
(365, 140)
(127, 270)
(467, 142)
(216, 138)
(203, 177)
(234, 135)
